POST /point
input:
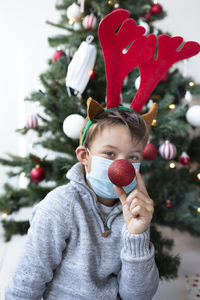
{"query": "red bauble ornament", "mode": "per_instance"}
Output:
(57, 55)
(37, 174)
(169, 204)
(90, 22)
(167, 150)
(184, 159)
(148, 16)
(156, 9)
(32, 122)
(121, 172)
(150, 152)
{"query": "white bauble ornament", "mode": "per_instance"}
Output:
(145, 25)
(72, 126)
(90, 22)
(193, 115)
(74, 12)
(137, 82)
(78, 73)
(167, 150)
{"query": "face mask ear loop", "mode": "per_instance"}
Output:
(91, 156)
(89, 152)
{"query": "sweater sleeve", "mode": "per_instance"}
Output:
(42, 253)
(139, 276)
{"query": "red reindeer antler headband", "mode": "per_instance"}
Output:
(140, 53)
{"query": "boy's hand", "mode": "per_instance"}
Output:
(137, 207)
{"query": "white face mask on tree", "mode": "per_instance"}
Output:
(99, 180)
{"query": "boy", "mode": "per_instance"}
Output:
(89, 240)
(84, 246)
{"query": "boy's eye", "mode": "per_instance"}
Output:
(109, 154)
(133, 158)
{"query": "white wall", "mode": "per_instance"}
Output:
(23, 30)
(23, 39)
(183, 19)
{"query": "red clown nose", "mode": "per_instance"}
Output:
(121, 172)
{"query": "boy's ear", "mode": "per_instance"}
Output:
(81, 154)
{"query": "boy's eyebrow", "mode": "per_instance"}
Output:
(136, 151)
(110, 146)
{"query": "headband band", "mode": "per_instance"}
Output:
(90, 122)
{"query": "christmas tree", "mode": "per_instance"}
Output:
(76, 71)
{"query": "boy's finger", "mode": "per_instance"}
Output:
(121, 194)
(140, 182)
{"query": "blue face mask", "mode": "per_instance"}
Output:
(99, 180)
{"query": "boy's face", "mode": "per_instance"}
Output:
(114, 143)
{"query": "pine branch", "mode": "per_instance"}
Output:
(56, 25)
(13, 199)
(14, 227)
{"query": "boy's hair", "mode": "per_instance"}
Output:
(133, 121)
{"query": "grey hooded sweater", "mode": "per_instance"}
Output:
(65, 256)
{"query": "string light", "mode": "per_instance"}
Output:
(172, 165)
(110, 2)
(198, 176)
(153, 122)
(71, 21)
(4, 215)
(196, 208)
(191, 83)
(91, 73)
(172, 106)
(116, 5)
